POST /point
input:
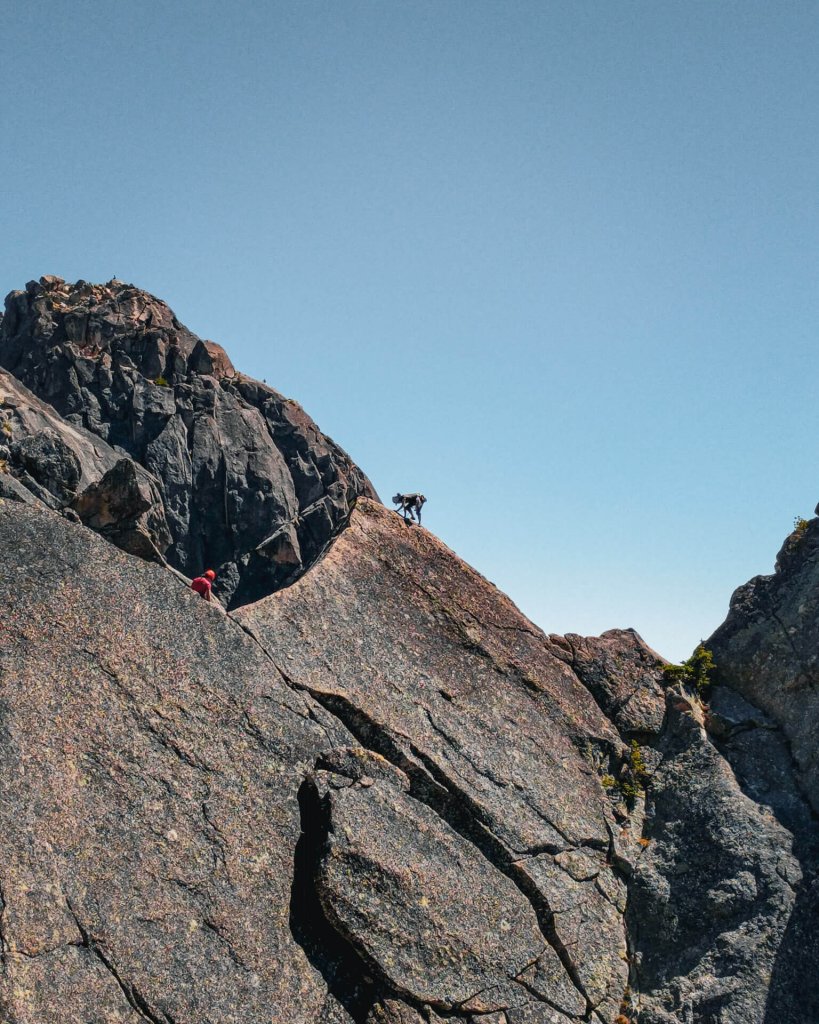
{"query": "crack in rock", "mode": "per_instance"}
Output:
(133, 996)
(455, 808)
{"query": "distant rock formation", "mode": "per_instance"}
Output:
(247, 484)
(375, 793)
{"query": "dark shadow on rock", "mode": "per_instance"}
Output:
(763, 765)
(793, 997)
(343, 970)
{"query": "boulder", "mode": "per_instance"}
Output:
(126, 508)
(50, 462)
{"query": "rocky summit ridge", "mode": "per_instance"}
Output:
(235, 475)
(371, 791)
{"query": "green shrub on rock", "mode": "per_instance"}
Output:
(696, 672)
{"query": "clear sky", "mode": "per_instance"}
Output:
(553, 263)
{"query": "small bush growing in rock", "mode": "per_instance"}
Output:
(633, 778)
(161, 382)
(638, 765)
(3, 466)
(800, 527)
(630, 790)
(7, 428)
(696, 672)
(635, 775)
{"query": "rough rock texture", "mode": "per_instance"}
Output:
(768, 647)
(502, 732)
(379, 795)
(431, 667)
(767, 650)
(248, 484)
(621, 674)
(148, 814)
(711, 895)
(46, 460)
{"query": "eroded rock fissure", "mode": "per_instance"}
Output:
(432, 787)
(133, 996)
(343, 969)
(538, 994)
(214, 835)
(4, 945)
(212, 927)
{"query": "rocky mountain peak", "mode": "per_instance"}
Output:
(238, 478)
(115, 324)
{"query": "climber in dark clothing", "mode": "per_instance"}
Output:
(204, 584)
(410, 505)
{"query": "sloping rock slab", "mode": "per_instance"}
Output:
(426, 663)
(151, 759)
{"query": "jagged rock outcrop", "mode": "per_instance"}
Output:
(379, 794)
(48, 461)
(248, 484)
(768, 647)
(767, 651)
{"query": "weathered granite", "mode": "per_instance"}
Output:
(151, 758)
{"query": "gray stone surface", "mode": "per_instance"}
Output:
(712, 892)
(151, 759)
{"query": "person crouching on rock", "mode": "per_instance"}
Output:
(204, 584)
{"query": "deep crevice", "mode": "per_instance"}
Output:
(5, 946)
(430, 786)
(343, 970)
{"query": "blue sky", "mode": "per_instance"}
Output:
(554, 264)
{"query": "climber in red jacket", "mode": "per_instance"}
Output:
(204, 584)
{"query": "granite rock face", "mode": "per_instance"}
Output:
(247, 483)
(377, 793)
(674, 909)
(146, 838)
